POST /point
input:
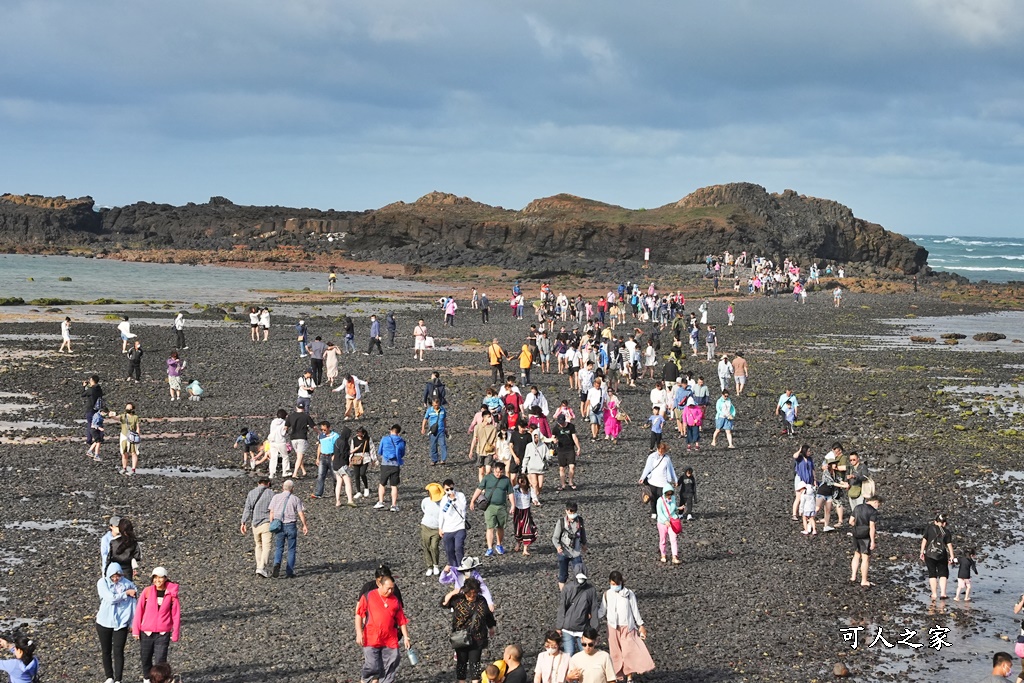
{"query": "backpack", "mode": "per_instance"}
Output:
(435, 393)
(99, 406)
(252, 438)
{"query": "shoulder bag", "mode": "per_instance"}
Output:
(277, 524)
(674, 523)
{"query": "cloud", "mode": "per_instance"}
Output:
(976, 21)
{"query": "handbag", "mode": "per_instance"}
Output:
(645, 493)
(460, 639)
(133, 436)
(355, 460)
(674, 523)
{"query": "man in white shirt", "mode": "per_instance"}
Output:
(179, 331)
(306, 388)
(278, 438)
(125, 328)
(593, 407)
(535, 398)
(591, 665)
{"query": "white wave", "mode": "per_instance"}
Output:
(1011, 257)
(1006, 269)
(978, 243)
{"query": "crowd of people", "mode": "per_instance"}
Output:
(626, 337)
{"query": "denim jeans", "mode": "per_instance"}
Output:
(323, 471)
(438, 447)
(563, 566)
(454, 547)
(302, 349)
(571, 644)
(291, 532)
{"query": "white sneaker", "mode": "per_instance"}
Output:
(689, 518)
(378, 506)
(429, 572)
(109, 680)
(357, 496)
(436, 570)
(366, 493)
(828, 528)
(654, 516)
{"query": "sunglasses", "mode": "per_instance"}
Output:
(449, 490)
(591, 644)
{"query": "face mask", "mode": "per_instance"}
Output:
(552, 651)
(571, 515)
(616, 588)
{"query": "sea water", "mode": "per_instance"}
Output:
(996, 259)
(36, 277)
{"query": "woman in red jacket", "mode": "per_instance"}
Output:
(157, 620)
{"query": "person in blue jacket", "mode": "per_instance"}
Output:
(114, 619)
(392, 456)
(24, 667)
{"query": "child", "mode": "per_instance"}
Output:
(494, 673)
(789, 419)
(657, 422)
(261, 455)
(688, 492)
(808, 509)
(250, 441)
(693, 416)
(963, 576)
(97, 432)
(564, 409)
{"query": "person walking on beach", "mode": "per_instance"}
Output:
(332, 359)
(65, 335)
(570, 540)
(374, 337)
(484, 443)
(92, 392)
(289, 510)
(174, 367)
(327, 442)
(937, 554)
(741, 370)
(658, 474)
(256, 513)
(419, 334)
(495, 355)
(495, 494)
(157, 620)
(254, 324)
(430, 528)
(353, 388)
(864, 520)
(179, 331)
(125, 330)
(332, 279)
(577, 610)
(435, 390)
(316, 350)
(265, 323)
(452, 524)
(449, 311)
(350, 335)
(435, 421)
(379, 618)
(485, 308)
(97, 433)
(725, 417)
(298, 423)
(135, 362)
(114, 619)
(392, 326)
(391, 451)
(626, 630)
(129, 439)
(473, 617)
(306, 388)
(277, 436)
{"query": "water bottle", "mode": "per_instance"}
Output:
(414, 657)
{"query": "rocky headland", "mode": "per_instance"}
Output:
(561, 232)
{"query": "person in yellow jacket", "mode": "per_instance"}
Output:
(525, 363)
(496, 354)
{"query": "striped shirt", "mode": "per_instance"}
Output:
(257, 506)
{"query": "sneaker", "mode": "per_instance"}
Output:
(263, 573)
(379, 506)
(184, 348)
(654, 516)
(805, 532)
(489, 553)
(277, 571)
(689, 518)
(499, 549)
(366, 493)
(357, 496)
(828, 528)
(436, 570)
(109, 680)
(133, 471)
(429, 572)
(394, 508)
(315, 497)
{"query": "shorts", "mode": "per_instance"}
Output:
(862, 546)
(566, 458)
(420, 345)
(596, 418)
(723, 423)
(175, 382)
(254, 325)
(299, 446)
(741, 379)
(344, 471)
(496, 516)
(798, 483)
(389, 475)
(545, 357)
(124, 337)
(583, 396)
(250, 447)
(127, 447)
(264, 327)
(97, 436)
(937, 568)
(484, 460)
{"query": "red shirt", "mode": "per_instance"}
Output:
(381, 619)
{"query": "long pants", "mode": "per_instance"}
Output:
(570, 643)
(438, 447)
(289, 532)
(449, 319)
(430, 542)
(496, 374)
(711, 351)
(359, 478)
(178, 344)
(323, 471)
(454, 547)
(317, 365)
(303, 401)
(135, 370)
(692, 434)
(88, 426)
(563, 566)
(391, 338)
(375, 341)
(663, 531)
(467, 663)
(302, 348)
(380, 663)
(350, 344)
(655, 440)
(153, 650)
(687, 505)
(525, 374)
(655, 495)
(262, 538)
(112, 648)
(279, 451)
(485, 315)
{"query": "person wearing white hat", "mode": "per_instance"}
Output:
(157, 621)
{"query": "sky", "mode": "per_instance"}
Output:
(911, 113)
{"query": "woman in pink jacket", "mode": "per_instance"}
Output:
(693, 416)
(157, 620)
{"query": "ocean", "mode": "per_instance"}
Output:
(996, 259)
(36, 277)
